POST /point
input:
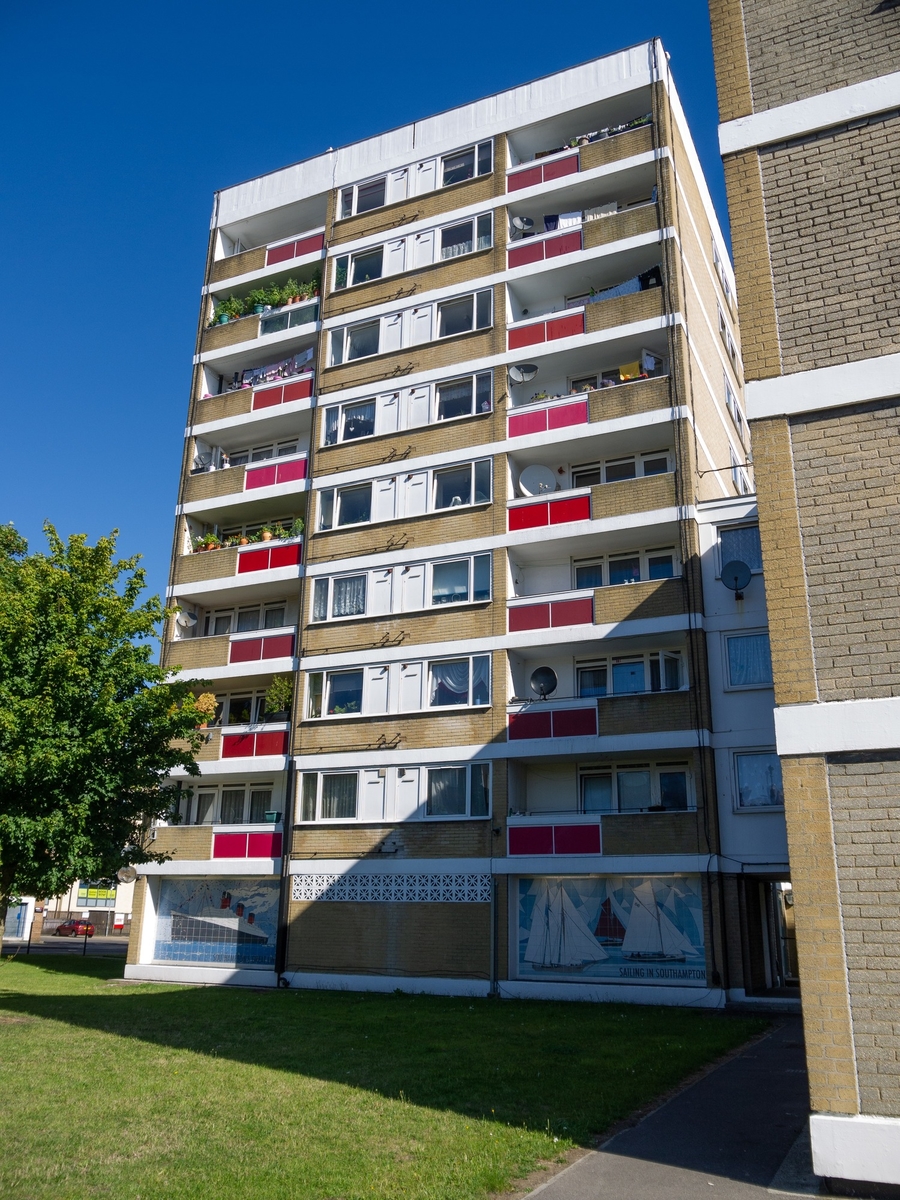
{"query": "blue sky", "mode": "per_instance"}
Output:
(118, 123)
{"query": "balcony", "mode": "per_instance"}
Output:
(302, 318)
(209, 653)
(595, 150)
(255, 743)
(554, 611)
(648, 832)
(232, 561)
(533, 332)
(258, 843)
(562, 412)
(244, 397)
(604, 716)
(571, 833)
(540, 720)
(286, 251)
(575, 505)
(241, 480)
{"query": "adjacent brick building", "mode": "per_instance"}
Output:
(810, 110)
(531, 747)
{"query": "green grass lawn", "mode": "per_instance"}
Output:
(158, 1092)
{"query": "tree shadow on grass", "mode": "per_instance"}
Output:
(570, 1069)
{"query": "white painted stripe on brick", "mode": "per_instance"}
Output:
(223, 976)
(838, 727)
(825, 387)
(862, 1148)
(212, 866)
(613, 993)
(416, 984)
(809, 115)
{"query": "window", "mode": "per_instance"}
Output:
(344, 693)
(618, 469)
(633, 674)
(458, 791)
(749, 660)
(759, 780)
(252, 528)
(363, 197)
(463, 397)
(441, 792)
(254, 454)
(457, 486)
(406, 495)
(736, 415)
(359, 420)
(244, 620)
(339, 797)
(94, 895)
(625, 568)
(635, 787)
(465, 314)
(413, 587)
(460, 681)
(466, 164)
(234, 804)
(358, 268)
(351, 505)
(461, 580)
(738, 474)
(246, 708)
(466, 237)
(356, 341)
(741, 543)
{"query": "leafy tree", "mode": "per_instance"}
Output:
(90, 727)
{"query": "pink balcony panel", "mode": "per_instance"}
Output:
(279, 254)
(253, 560)
(288, 472)
(567, 414)
(560, 167)
(267, 398)
(260, 477)
(281, 646)
(309, 245)
(574, 839)
(568, 243)
(529, 725)
(238, 745)
(229, 845)
(264, 845)
(529, 616)
(301, 390)
(534, 839)
(527, 252)
(564, 327)
(524, 179)
(272, 743)
(524, 423)
(575, 722)
(576, 509)
(530, 335)
(246, 650)
(285, 556)
(529, 516)
(571, 612)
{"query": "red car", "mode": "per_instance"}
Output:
(75, 929)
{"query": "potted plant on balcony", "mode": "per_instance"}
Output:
(279, 532)
(257, 299)
(244, 541)
(266, 533)
(205, 704)
(291, 292)
(296, 527)
(279, 696)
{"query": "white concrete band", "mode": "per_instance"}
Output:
(222, 976)
(212, 866)
(327, 982)
(838, 727)
(861, 1148)
(823, 388)
(807, 116)
(612, 993)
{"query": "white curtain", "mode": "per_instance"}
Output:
(450, 682)
(481, 679)
(338, 797)
(446, 792)
(742, 545)
(749, 660)
(349, 597)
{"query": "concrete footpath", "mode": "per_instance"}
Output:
(97, 947)
(739, 1133)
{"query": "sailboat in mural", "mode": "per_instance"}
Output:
(652, 934)
(609, 931)
(225, 925)
(559, 937)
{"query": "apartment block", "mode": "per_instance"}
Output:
(810, 111)
(491, 429)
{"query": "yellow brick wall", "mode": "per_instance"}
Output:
(213, 483)
(137, 920)
(639, 306)
(185, 841)
(237, 264)
(730, 51)
(620, 225)
(230, 404)
(610, 150)
(207, 564)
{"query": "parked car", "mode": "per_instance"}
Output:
(75, 929)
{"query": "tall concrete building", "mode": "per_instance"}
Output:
(467, 446)
(810, 110)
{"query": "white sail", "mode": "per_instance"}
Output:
(559, 936)
(674, 941)
(536, 950)
(642, 934)
(577, 943)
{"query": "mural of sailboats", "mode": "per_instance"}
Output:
(559, 937)
(651, 932)
(609, 931)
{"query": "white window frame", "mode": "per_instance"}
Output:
(393, 691)
(191, 805)
(647, 657)
(390, 776)
(339, 337)
(258, 700)
(330, 580)
(748, 752)
(734, 635)
(734, 411)
(603, 561)
(639, 459)
(432, 405)
(413, 171)
(739, 476)
(209, 615)
(477, 173)
(587, 770)
(437, 336)
(721, 557)
(346, 261)
(430, 509)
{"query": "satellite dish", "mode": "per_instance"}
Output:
(537, 480)
(187, 620)
(522, 373)
(523, 224)
(736, 575)
(126, 874)
(544, 682)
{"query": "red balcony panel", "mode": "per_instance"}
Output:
(309, 245)
(574, 722)
(567, 414)
(253, 560)
(531, 335)
(562, 166)
(529, 516)
(576, 509)
(264, 845)
(279, 254)
(238, 745)
(281, 646)
(301, 390)
(568, 243)
(529, 725)
(529, 616)
(528, 252)
(286, 556)
(528, 422)
(564, 327)
(573, 839)
(289, 471)
(524, 179)
(267, 398)
(260, 477)
(229, 845)
(272, 743)
(533, 839)
(246, 650)
(572, 612)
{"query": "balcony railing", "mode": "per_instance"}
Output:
(255, 743)
(245, 648)
(270, 557)
(567, 835)
(550, 245)
(285, 250)
(290, 317)
(551, 611)
(270, 394)
(536, 514)
(230, 561)
(553, 414)
(545, 329)
(297, 247)
(247, 844)
(275, 472)
(551, 719)
(555, 166)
